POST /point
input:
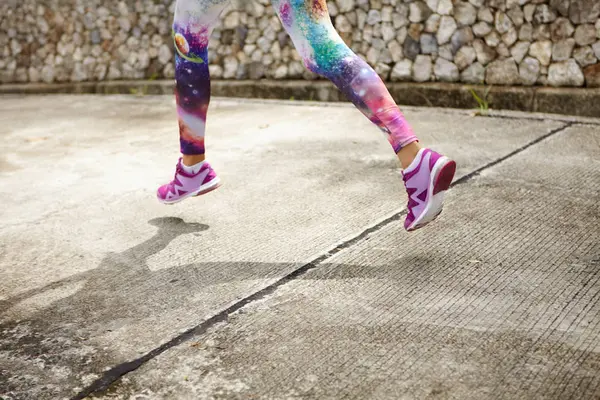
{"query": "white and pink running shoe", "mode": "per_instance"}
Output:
(186, 185)
(426, 180)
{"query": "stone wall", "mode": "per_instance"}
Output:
(497, 42)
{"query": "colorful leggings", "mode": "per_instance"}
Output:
(321, 48)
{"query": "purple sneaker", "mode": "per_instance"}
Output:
(186, 185)
(426, 179)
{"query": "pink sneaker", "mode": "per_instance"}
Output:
(426, 180)
(185, 185)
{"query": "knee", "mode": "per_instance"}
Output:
(332, 63)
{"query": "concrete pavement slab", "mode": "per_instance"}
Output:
(499, 300)
(95, 273)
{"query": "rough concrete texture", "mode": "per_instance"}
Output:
(498, 299)
(503, 301)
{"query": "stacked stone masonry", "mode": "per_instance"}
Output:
(494, 42)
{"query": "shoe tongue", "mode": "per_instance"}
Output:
(183, 172)
(193, 170)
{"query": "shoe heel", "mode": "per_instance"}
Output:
(213, 186)
(444, 178)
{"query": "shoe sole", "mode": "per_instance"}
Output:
(443, 173)
(204, 189)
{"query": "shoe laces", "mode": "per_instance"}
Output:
(178, 169)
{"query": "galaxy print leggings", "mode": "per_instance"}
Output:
(321, 48)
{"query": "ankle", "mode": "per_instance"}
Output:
(407, 154)
(191, 160)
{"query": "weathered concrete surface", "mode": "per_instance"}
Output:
(95, 273)
(501, 300)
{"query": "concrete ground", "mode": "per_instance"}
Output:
(295, 279)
